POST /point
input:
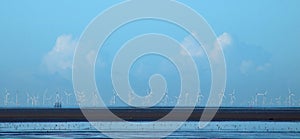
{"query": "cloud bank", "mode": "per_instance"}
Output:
(59, 59)
(246, 58)
(195, 50)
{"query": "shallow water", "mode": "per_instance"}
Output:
(187, 130)
(177, 134)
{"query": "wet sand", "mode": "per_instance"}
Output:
(150, 114)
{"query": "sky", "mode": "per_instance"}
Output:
(260, 41)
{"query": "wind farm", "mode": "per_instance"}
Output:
(58, 110)
(70, 99)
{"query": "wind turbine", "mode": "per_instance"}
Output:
(278, 100)
(48, 100)
(251, 102)
(28, 98)
(176, 99)
(147, 98)
(263, 96)
(44, 96)
(179, 99)
(221, 96)
(130, 97)
(166, 97)
(199, 98)
(81, 98)
(95, 99)
(290, 98)
(232, 97)
(7, 94)
(113, 99)
(68, 96)
(34, 100)
(57, 97)
(186, 98)
(17, 99)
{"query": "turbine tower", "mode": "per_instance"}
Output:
(46, 99)
(199, 98)
(186, 99)
(232, 97)
(113, 99)
(7, 94)
(57, 97)
(44, 96)
(28, 98)
(68, 96)
(278, 100)
(34, 100)
(221, 96)
(263, 95)
(166, 97)
(290, 98)
(148, 98)
(17, 103)
(130, 98)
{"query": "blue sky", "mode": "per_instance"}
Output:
(260, 42)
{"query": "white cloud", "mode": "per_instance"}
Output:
(246, 66)
(249, 66)
(60, 58)
(191, 45)
(225, 39)
(263, 67)
(222, 42)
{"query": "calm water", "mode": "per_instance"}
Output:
(188, 130)
(177, 134)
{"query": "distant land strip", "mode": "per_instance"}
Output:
(278, 114)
